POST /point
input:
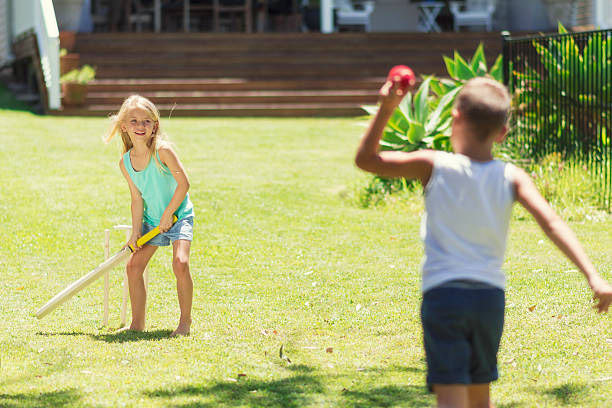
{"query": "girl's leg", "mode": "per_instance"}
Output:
(138, 294)
(451, 395)
(184, 284)
(478, 395)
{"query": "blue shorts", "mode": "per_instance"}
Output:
(462, 329)
(182, 229)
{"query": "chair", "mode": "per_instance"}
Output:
(141, 13)
(201, 16)
(347, 14)
(473, 13)
(226, 11)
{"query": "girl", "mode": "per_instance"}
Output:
(158, 186)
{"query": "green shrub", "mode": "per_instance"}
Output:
(423, 120)
(82, 75)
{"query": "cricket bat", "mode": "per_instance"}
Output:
(90, 277)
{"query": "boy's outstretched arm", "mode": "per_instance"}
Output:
(413, 165)
(563, 237)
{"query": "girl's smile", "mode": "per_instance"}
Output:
(139, 125)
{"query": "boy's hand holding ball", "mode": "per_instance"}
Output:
(403, 75)
(398, 83)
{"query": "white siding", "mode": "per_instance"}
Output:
(603, 14)
(5, 48)
(394, 15)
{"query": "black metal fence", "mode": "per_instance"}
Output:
(562, 89)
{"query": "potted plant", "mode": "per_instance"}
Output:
(68, 61)
(74, 85)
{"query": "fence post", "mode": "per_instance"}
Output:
(506, 56)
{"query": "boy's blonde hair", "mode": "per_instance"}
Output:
(133, 102)
(485, 104)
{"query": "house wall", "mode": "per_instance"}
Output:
(5, 45)
(21, 17)
(394, 15)
(521, 15)
(513, 15)
(603, 14)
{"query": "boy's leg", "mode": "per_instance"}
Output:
(138, 294)
(462, 396)
(451, 395)
(184, 284)
(478, 396)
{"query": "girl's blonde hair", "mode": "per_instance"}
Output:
(157, 138)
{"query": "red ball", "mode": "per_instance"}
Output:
(407, 78)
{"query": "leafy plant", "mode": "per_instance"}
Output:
(558, 95)
(423, 120)
(82, 75)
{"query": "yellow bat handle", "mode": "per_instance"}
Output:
(149, 235)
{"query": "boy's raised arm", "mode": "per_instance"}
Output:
(413, 165)
(562, 236)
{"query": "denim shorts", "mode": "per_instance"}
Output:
(462, 329)
(182, 229)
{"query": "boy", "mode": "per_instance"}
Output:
(468, 202)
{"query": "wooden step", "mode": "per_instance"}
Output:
(229, 84)
(211, 110)
(241, 97)
(269, 74)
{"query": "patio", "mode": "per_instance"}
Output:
(194, 16)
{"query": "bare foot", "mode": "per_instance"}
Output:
(128, 328)
(181, 330)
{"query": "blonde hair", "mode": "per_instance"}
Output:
(485, 104)
(137, 102)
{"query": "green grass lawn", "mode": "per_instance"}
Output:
(283, 255)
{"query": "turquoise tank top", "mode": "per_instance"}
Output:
(157, 188)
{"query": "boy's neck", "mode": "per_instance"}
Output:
(476, 153)
(465, 143)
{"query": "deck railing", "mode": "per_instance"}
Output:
(38, 17)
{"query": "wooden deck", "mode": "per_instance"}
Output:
(203, 74)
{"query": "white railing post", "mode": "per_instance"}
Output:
(47, 34)
(327, 12)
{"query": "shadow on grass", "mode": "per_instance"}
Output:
(64, 398)
(388, 396)
(122, 337)
(568, 394)
(129, 336)
(304, 386)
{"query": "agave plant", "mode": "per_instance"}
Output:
(423, 120)
(420, 121)
(460, 70)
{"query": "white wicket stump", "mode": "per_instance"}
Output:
(128, 232)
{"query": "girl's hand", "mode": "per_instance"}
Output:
(165, 223)
(133, 240)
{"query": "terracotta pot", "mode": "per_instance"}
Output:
(69, 62)
(67, 40)
(74, 94)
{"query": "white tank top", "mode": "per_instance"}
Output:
(467, 211)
